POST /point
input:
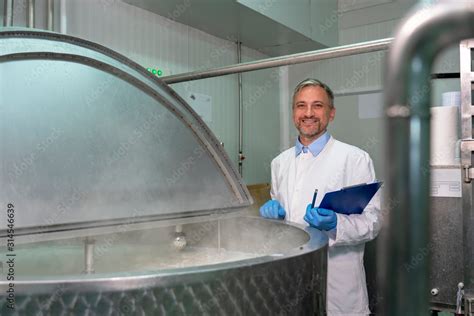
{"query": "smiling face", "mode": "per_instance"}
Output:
(312, 112)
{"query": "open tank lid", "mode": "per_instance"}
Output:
(89, 138)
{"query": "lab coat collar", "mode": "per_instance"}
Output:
(315, 147)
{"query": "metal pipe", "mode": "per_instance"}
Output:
(327, 53)
(50, 21)
(7, 13)
(30, 14)
(241, 108)
(404, 258)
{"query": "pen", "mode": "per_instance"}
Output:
(314, 197)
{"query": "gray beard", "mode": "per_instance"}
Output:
(312, 135)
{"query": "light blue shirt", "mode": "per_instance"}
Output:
(315, 147)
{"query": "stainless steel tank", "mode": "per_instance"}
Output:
(118, 199)
(234, 265)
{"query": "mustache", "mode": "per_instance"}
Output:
(317, 119)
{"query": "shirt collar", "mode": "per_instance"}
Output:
(315, 147)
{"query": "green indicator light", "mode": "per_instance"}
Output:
(154, 71)
(159, 72)
(149, 69)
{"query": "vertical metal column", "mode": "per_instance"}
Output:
(30, 14)
(62, 17)
(467, 148)
(7, 13)
(241, 109)
(50, 11)
(89, 246)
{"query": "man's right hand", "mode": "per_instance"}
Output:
(272, 209)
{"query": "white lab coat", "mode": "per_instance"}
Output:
(337, 165)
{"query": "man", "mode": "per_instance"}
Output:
(318, 161)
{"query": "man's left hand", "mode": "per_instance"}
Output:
(320, 218)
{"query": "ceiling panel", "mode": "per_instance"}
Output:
(232, 21)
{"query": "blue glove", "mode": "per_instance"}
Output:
(320, 218)
(272, 209)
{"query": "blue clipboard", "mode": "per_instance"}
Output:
(350, 200)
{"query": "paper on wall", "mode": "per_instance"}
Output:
(202, 104)
(446, 182)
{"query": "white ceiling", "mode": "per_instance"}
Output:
(230, 20)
